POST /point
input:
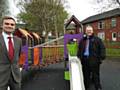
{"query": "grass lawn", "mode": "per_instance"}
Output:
(113, 52)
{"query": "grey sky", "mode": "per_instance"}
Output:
(81, 8)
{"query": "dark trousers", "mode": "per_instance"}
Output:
(91, 70)
(12, 84)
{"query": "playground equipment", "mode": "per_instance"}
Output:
(76, 76)
(73, 71)
(41, 55)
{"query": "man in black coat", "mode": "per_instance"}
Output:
(91, 52)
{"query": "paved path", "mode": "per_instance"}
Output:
(51, 78)
(110, 75)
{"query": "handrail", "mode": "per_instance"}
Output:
(76, 74)
(48, 42)
(47, 46)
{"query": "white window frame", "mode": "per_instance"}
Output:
(113, 22)
(101, 35)
(114, 36)
(101, 25)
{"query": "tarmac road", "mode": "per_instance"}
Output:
(52, 77)
(49, 78)
(110, 74)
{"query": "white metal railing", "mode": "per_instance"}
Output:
(51, 41)
(76, 74)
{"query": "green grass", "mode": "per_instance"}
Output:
(112, 43)
(110, 52)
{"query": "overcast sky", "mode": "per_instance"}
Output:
(81, 8)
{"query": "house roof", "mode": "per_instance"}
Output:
(74, 19)
(107, 14)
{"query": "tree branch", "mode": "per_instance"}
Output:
(118, 2)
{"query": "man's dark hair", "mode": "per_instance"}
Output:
(8, 17)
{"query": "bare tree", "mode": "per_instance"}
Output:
(103, 5)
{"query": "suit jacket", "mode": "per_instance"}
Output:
(7, 68)
(96, 49)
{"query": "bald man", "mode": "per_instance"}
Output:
(91, 52)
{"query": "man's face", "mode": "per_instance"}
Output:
(89, 31)
(8, 26)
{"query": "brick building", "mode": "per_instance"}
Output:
(106, 25)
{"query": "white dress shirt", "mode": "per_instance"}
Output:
(5, 36)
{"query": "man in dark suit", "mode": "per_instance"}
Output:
(91, 52)
(10, 49)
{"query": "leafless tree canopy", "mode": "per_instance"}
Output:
(103, 5)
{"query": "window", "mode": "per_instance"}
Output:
(101, 35)
(113, 22)
(114, 36)
(101, 25)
